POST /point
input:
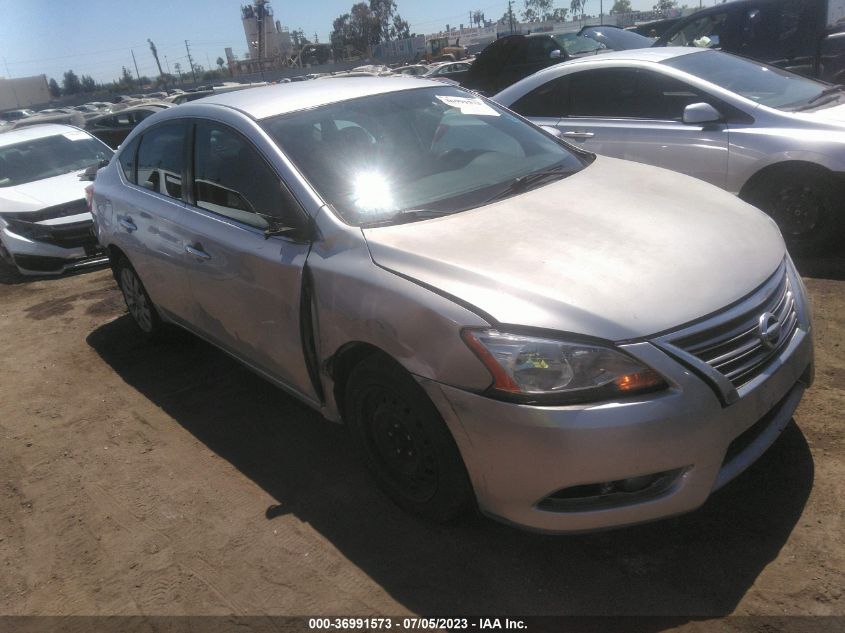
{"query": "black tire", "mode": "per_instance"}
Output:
(404, 441)
(805, 203)
(141, 308)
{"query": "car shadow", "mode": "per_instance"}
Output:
(822, 267)
(695, 566)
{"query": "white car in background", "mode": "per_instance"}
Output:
(775, 138)
(45, 223)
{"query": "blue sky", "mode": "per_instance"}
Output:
(94, 37)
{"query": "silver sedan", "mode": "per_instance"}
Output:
(774, 138)
(566, 341)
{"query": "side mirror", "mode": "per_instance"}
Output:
(698, 113)
(555, 54)
(551, 130)
(90, 172)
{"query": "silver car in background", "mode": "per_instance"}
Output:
(567, 341)
(774, 138)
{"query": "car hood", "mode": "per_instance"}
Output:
(37, 195)
(618, 251)
(835, 114)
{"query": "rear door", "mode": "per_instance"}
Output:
(246, 285)
(149, 210)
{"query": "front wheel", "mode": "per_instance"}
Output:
(804, 204)
(404, 441)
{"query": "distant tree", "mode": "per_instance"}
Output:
(88, 83)
(536, 10)
(53, 86)
(400, 29)
(71, 84)
(339, 37)
(126, 77)
(220, 63)
(178, 68)
(558, 15)
(664, 6)
(577, 7)
(621, 6)
(363, 28)
(382, 13)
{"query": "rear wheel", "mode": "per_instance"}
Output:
(404, 441)
(137, 300)
(803, 202)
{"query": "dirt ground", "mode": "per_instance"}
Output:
(167, 479)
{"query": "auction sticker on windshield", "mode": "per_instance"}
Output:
(76, 136)
(469, 105)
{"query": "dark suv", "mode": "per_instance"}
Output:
(804, 36)
(511, 58)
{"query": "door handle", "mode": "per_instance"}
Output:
(128, 224)
(197, 252)
(578, 135)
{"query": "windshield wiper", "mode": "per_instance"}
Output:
(814, 102)
(407, 215)
(522, 183)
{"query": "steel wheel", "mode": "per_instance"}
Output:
(396, 439)
(798, 210)
(404, 441)
(803, 201)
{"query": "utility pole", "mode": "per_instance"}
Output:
(158, 63)
(601, 11)
(191, 61)
(137, 74)
(510, 14)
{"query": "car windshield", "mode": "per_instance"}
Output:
(42, 158)
(440, 150)
(759, 82)
(575, 44)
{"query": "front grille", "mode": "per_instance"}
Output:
(736, 348)
(78, 234)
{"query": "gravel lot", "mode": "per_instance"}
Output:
(167, 479)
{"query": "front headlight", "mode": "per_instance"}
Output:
(544, 370)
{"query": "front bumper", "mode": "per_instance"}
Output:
(71, 247)
(520, 456)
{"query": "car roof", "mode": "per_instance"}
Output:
(31, 132)
(267, 101)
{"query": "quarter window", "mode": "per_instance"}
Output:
(127, 161)
(161, 159)
(232, 180)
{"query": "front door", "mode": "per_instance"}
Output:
(636, 114)
(246, 285)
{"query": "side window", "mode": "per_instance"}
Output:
(233, 180)
(127, 161)
(629, 94)
(161, 159)
(540, 49)
(719, 30)
(548, 100)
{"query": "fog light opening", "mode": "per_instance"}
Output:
(611, 493)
